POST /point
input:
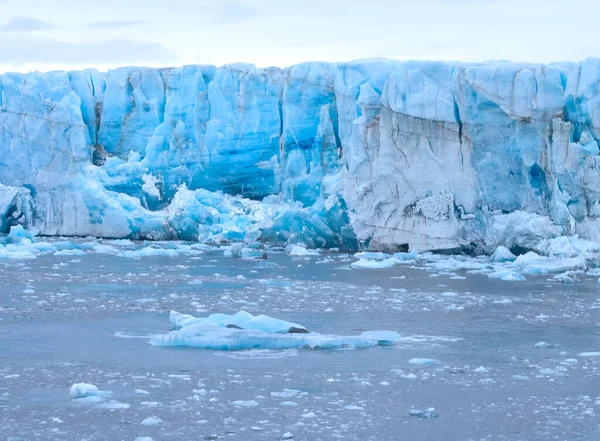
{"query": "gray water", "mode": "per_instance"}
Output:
(63, 320)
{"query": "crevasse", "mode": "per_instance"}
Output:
(378, 153)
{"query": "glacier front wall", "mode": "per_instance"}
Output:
(380, 153)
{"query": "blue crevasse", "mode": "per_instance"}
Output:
(388, 154)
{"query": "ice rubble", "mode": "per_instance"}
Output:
(243, 331)
(379, 153)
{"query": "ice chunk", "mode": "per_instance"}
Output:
(544, 345)
(18, 234)
(424, 361)
(375, 264)
(85, 390)
(426, 413)
(152, 421)
(250, 403)
(502, 254)
(242, 320)
(507, 275)
(298, 250)
(244, 331)
(567, 277)
(150, 251)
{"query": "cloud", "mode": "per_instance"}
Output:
(25, 24)
(117, 24)
(21, 50)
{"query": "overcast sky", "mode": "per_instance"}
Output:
(73, 34)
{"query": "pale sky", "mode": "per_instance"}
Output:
(74, 34)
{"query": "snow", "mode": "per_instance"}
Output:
(377, 153)
(242, 331)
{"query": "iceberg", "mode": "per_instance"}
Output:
(243, 331)
(375, 154)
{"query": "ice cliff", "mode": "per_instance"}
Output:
(378, 153)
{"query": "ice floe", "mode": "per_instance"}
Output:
(243, 331)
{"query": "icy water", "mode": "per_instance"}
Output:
(70, 319)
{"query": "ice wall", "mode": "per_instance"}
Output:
(387, 154)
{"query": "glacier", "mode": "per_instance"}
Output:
(374, 154)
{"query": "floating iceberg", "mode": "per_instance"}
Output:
(85, 390)
(243, 331)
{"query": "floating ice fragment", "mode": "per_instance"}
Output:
(589, 354)
(507, 275)
(300, 251)
(152, 421)
(424, 361)
(425, 414)
(520, 378)
(375, 264)
(240, 403)
(85, 390)
(288, 404)
(245, 331)
(544, 345)
(567, 277)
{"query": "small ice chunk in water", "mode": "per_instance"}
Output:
(425, 413)
(152, 421)
(480, 370)
(300, 251)
(288, 404)
(544, 345)
(287, 435)
(424, 361)
(240, 403)
(143, 438)
(589, 354)
(520, 378)
(85, 390)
